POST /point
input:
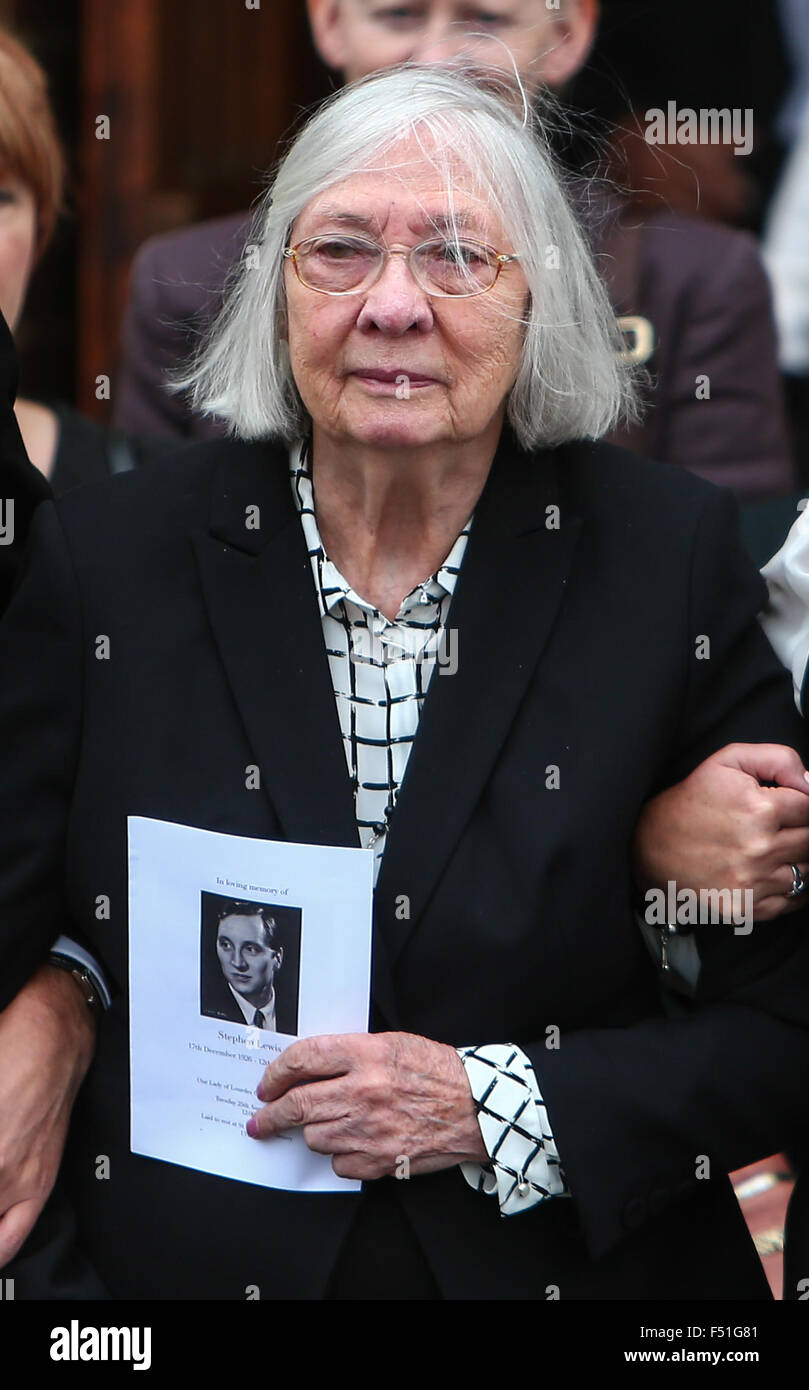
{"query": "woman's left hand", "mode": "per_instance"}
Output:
(373, 1100)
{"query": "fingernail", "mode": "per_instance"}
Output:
(252, 1127)
(806, 776)
(260, 1091)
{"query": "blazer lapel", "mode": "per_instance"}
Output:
(259, 592)
(258, 589)
(509, 590)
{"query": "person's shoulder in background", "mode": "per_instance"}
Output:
(176, 289)
(716, 405)
(189, 264)
(88, 452)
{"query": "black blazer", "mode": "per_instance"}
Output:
(582, 663)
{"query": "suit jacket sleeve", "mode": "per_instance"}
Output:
(722, 328)
(41, 648)
(636, 1111)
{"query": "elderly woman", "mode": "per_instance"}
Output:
(415, 360)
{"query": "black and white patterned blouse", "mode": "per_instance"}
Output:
(381, 671)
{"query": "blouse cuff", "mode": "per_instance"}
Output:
(523, 1166)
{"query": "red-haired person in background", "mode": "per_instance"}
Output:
(66, 447)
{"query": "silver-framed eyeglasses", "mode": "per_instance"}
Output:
(446, 267)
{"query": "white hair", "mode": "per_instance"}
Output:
(570, 382)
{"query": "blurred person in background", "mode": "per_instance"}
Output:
(731, 55)
(692, 297)
(45, 449)
(66, 447)
(47, 1033)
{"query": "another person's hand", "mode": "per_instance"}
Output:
(372, 1100)
(47, 1037)
(720, 828)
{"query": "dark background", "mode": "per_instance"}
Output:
(198, 93)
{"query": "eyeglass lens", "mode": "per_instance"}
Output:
(448, 267)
